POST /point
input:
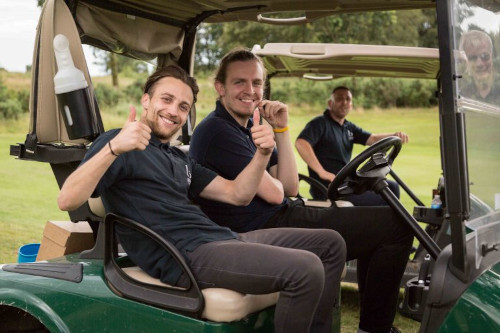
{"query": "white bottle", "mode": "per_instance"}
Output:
(72, 92)
(68, 78)
(436, 202)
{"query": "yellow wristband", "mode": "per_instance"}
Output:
(280, 130)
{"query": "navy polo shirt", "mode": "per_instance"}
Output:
(154, 187)
(221, 144)
(332, 143)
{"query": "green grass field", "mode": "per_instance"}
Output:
(29, 189)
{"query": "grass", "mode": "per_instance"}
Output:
(29, 189)
(28, 200)
(350, 312)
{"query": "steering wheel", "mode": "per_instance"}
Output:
(378, 158)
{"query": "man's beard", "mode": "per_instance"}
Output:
(163, 136)
(156, 130)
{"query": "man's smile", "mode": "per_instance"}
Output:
(247, 100)
(167, 121)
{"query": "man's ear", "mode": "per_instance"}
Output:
(219, 87)
(330, 103)
(145, 101)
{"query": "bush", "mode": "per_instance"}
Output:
(23, 96)
(106, 95)
(300, 91)
(12, 103)
(133, 92)
(367, 92)
(10, 109)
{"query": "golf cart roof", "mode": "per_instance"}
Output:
(182, 12)
(113, 24)
(329, 61)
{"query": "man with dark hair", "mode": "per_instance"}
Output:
(140, 176)
(326, 144)
(374, 235)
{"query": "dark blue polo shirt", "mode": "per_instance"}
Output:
(221, 144)
(154, 187)
(332, 143)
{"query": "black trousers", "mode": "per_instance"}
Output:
(377, 238)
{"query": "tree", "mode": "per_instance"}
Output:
(405, 28)
(207, 46)
(115, 64)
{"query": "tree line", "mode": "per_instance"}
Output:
(404, 28)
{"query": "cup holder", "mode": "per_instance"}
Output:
(415, 296)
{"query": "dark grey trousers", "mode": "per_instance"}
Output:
(304, 265)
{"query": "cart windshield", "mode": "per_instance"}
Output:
(476, 34)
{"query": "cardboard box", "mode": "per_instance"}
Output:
(64, 237)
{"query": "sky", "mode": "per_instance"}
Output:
(18, 21)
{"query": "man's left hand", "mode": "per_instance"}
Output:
(403, 136)
(274, 112)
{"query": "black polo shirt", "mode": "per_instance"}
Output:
(221, 144)
(154, 187)
(469, 90)
(332, 143)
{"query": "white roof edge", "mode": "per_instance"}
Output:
(327, 50)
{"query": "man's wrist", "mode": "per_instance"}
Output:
(111, 149)
(280, 129)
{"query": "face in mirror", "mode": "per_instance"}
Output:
(477, 48)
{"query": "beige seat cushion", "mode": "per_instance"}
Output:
(96, 207)
(326, 203)
(343, 203)
(221, 305)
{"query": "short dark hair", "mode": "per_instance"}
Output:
(236, 54)
(171, 71)
(339, 88)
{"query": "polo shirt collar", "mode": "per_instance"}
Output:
(155, 141)
(326, 114)
(220, 111)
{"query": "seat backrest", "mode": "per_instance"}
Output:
(46, 120)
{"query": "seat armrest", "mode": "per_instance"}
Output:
(188, 301)
(314, 183)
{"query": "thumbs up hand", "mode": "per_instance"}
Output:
(262, 135)
(134, 135)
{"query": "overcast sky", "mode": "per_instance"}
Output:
(18, 20)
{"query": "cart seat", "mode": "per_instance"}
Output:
(221, 305)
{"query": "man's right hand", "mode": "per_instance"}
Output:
(262, 135)
(134, 135)
(327, 176)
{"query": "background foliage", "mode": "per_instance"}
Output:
(214, 40)
(375, 28)
(369, 93)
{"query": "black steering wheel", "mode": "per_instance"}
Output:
(353, 179)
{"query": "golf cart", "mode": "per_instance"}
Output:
(101, 289)
(326, 61)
